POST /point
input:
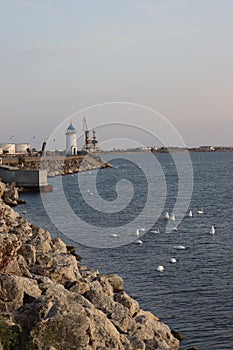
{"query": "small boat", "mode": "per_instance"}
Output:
(166, 216)
(200, 211)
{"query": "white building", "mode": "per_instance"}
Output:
(7, 148)
(71, 140)
(14, 148)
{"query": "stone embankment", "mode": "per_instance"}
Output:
(49, 301)
(59, 165)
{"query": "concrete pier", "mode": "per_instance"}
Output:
(31, 180)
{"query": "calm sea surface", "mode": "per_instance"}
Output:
(193, 296)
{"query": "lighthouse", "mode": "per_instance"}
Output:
(71, 140)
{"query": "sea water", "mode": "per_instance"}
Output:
(193, 296)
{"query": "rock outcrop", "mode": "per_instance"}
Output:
(10, 195)
(48, 300)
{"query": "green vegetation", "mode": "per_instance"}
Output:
(12, 339)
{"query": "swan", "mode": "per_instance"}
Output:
(166, 216)
(160, 268)
(200, 211)
(138, 241)
(179, 247)
(172, 260)
(212, 231)
(190, 214)
(156, 231)
(142, 229)
(173, 217)
(114, 235)
(137, 232)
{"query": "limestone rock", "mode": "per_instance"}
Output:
(54, 302)
(15, 289)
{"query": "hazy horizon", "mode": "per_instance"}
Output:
(174, 57)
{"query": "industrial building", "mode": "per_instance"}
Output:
(14, 148)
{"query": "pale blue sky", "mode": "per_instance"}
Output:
(58, 57)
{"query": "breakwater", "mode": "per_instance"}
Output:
(58, 165)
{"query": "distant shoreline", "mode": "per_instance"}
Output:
(172, 150)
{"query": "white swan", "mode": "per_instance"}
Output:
(160, 268)
(200, 211)
(166, 216)
(172, 260)
(142, 229)
(179, 247)
(173, 217)
(137, 232)
(138, 241)
(156, 231)
(190, 214)
(212, 231)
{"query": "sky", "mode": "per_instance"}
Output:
(62, 60)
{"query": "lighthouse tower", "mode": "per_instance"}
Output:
(71, 140)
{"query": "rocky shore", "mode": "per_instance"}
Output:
(50, 301)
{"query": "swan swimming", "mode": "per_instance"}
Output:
(190, 214)
(200, 211)
(172, 260)
(160, 268)
(173, 217)
(156, 231)
(137, 232)
(166, 216)
(212, 231)
(179, 247)
(138, 241)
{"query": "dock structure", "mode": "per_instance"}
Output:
(30, 179)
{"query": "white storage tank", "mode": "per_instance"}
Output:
(21, 147)
(8, 148)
